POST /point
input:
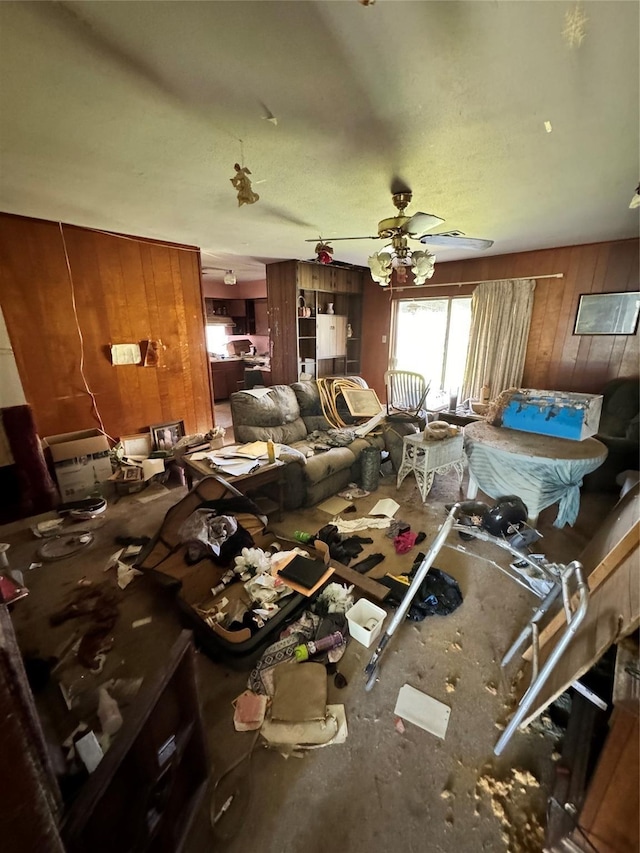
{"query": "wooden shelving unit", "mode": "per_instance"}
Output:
(314, 346)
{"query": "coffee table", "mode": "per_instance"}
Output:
(264, 475)
(540, 469)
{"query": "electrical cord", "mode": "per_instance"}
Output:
(215, 814)
(81, 338)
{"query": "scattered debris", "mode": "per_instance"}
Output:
(456, 647)
(89, 751)
(399, 726)
(249, 711)
(97, 605)
(510, 803)
(451, 683)
(108, 712)
(546, 727)
(340, 681)
(140, 622)
(65, 545)
(449, 819)
(491, 688)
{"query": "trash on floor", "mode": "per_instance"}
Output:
(139, 623)
(510, 802)
(334, 506)
(365, 523)
(353, 492)
(89, 751)
(97, 606)
(292, 738)
(365, 621)
(334, 598)
(386, 507)
(65, 545)
(249, 711)
(423, 711)
(439, 594)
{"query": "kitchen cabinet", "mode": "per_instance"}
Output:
(261, 317)
(245, 316)
(331, 336)
(310, 345)
(227, 376)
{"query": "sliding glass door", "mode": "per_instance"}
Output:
(430, 336)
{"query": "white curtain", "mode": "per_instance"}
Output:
(500, 321)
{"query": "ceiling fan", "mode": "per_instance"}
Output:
(398, 255)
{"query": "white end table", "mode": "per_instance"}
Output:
(428, 458)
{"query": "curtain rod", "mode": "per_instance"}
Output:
(483, 281)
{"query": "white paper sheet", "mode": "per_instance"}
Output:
(236, 467)
(125, 354)
(423, 711)
(151, 467)
(387, 507)
(256, 392)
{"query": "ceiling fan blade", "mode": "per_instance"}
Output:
(456, 241)
(421, 222)
(333, 239)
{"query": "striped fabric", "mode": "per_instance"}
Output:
(538, 481)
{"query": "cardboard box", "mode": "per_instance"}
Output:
(81, 461)
(562, 414)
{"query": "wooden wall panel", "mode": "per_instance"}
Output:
(127, 290)
(556, 358)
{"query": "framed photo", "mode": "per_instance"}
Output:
(607, 313)
(137, 446)
(131, 473)
(166, 436)
(362, 403)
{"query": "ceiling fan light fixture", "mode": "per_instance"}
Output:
(229, 277)
(421, 264)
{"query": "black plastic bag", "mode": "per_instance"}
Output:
(438, 595)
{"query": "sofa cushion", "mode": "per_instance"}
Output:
(620, 405)
(275, 415)
(324, 464)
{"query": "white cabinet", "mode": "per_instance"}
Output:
(331, 336)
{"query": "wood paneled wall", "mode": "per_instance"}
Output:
(126, 290)
(556, 359)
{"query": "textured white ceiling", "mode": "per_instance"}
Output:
(126, 116)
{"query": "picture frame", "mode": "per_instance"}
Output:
(166, 436)
(607, 313)
(131, 473)
(362, 402)
(137, 446)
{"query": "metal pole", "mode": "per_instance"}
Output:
(480, 281)
(536, 686)
(409, 595)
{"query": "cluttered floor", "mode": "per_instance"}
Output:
(389, 785)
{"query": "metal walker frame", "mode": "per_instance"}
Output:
(566, 581)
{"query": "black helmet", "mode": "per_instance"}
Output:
(507, 516)
(470, 514)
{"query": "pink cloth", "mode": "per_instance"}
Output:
(405, 542)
